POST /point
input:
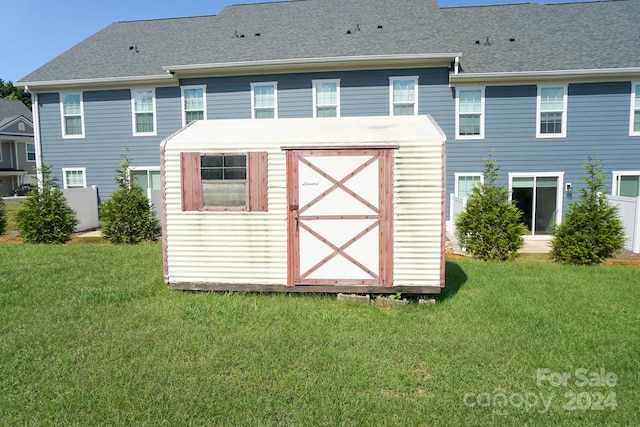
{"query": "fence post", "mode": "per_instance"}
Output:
(635, 238)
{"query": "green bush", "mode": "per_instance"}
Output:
(591, 231)
(45, 216)
(126, 217)
(3, 217)
(490, 226)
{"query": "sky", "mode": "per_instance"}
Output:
(36, 31)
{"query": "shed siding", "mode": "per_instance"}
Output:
(250, 248)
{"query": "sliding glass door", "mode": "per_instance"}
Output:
(539, 198)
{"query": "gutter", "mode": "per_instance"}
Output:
(124, 81)
(313, 64)
(517, 77)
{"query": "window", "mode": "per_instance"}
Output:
(143, 102)
(264, 100)
(465, 183)
(146, 177)
(326, 98)
(635, 109)
(74, 178)
(224, 181)
(71, 109)
(31, 152)
(552, 107)
(626, 183)
(403, 96)
(194, 104)
(470, 113)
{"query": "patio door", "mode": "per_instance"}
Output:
(340, 216)
(539, 198)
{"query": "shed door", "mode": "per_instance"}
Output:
(340, 217)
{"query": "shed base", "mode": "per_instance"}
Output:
(320, 289)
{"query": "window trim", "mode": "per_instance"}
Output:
(482, 112)
(257, 179)
(615, 180)
(314, 84)
(26, 155)
(275, 97)
(182, 102)
(635, 94)
(64, 177)
(458, 175)
(565, 97)
(415, 93)
(62, 115)
(133, 111)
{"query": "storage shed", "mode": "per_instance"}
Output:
(305, 205)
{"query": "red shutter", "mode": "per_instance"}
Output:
(258, 200)
(191, 188)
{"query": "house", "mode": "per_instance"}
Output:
(349, 204)
(537, 87)
(17, 147)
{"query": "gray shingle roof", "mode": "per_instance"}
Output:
(12, 108)
(592, 35)
(563, 36)
(291, 29)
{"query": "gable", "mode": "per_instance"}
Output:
(17, 126)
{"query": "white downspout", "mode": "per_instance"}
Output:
(35, 112)
(456, 65)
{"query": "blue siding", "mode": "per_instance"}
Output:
(597, 122)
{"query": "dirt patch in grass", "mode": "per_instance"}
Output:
(10, 237)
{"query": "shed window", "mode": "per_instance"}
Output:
(224, 181)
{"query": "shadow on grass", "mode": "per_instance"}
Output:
(454, 278)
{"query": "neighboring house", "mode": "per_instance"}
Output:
(17, 147)
(539, 87)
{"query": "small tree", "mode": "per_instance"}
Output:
(490, 226)
(45, 216)
(3, 217)
(127, 216)
(592, 230)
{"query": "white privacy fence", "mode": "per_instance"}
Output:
(84, 201)
(456, 206)
(629, 209)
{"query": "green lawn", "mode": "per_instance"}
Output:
(90, 335)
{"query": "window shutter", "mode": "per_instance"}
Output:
(258, 200)
(191, 189)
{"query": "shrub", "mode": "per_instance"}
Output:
(3, 217)
(592, 230)
(490, 226)
(126, 217)
(45, 216)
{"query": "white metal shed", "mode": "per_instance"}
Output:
(305, 205)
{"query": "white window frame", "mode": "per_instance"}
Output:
(84, 176)
(458, 175)
(559, 195)
(183, 106)
(565, 97)
(26, 152)
(143, 168)
(275, 97)
(133, 111)
(615, 180)
(315, 84)
(471, 88)
(415, 93)
(635, 94)
(62, 115)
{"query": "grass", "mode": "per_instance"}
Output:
(90, 335)
(11, 208)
